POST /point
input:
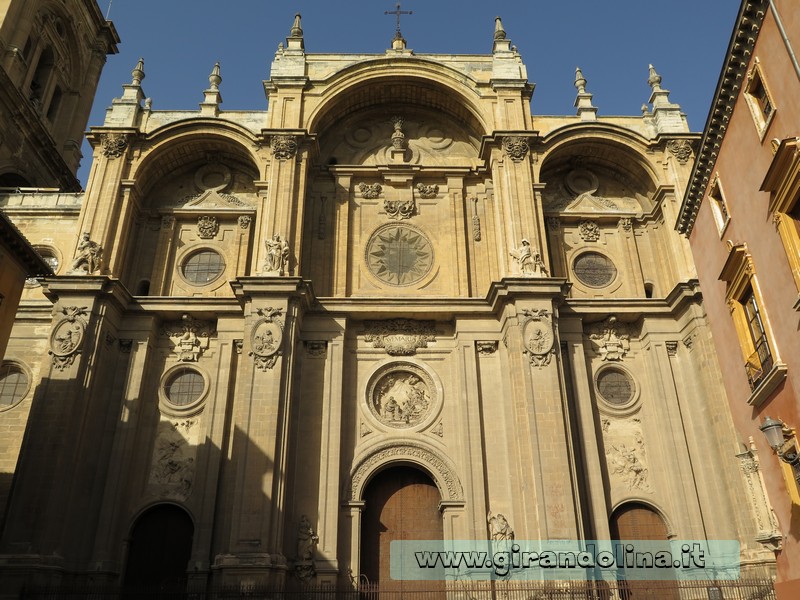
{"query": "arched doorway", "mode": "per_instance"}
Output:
(159, 550)
(400, 503)
(637, 521)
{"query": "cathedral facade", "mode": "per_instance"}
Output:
(391, 304)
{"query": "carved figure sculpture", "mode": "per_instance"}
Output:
(277, 259)
(88, 257)
(307, 540)
(499, 528)
(529, 260)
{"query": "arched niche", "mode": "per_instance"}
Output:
(597, 174)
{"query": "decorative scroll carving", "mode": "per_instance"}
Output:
(283, 147)
(537, 334)
(589, 231)
(680, 149)
(486, 348)
(529, 261)
(113, 144)
(67, 336)
(625, 224)
(443, 473)
(400, 337)
(189, 337)
(238, 346)
(266, 338)
(553, 223)
(370, 191)
(427, 191)
(88, 257)
(277, 260)
(400, 209)
(207, 227)
(516, 147)
(316, 348)
(768, 532)
(611, 339)
(244, 221)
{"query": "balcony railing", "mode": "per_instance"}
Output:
(758, 365)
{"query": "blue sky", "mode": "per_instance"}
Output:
(612, 42)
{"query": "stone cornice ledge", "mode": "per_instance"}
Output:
(683, 293)
(768, 385)
(737, 58)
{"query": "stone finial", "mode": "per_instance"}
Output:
(583, 102)
(654, 81)
(580, 81)
(297, 30)
(499, 32)
(215, 78)
(137, 74)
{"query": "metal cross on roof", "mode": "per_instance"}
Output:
(397, 12)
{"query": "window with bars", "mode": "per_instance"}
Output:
(760, 361)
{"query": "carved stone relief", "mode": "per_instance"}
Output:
(172, 469)
(399, 255)
(401, 395)
(427, 191)
(113, 144)
(610, 338)
(283, 147)
(680, 149)
(528, 260)
(88, 258)
(537, 335)
(400, 209)
(244, 221)
(589, 231)
(400, 337)
(207, 227)
(67, 336)
(625, 455)
(266, 338)
(768, 531)
(515, 147)
(189, 337)
(499, 528)
(307, 540)
(370, 191)
(277, 259)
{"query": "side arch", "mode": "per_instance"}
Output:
(441, 470)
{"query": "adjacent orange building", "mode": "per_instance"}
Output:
(742, 216)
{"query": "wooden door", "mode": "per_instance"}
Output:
(401, 503)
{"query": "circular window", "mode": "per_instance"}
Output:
(203, 267)
(594, 269)
(13, 385)
(399, 255)
(184, 387)
(615, 386)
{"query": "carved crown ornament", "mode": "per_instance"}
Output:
(189, 337)
(538, 337)
(67, 336)
(400, 337)
(266, 338)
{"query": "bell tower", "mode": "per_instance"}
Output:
(51, 57)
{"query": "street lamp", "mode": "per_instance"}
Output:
(777, 434)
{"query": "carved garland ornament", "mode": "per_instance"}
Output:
(443, 473)
(67, 336)
(537, 333)
(283, 147)
(113, 144)
(400, 209)
(370, 191)
(266, 338)
(400, 337)
(427, 191)
(516, 147)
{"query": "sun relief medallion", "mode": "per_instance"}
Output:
(402, 395)
(399, 255)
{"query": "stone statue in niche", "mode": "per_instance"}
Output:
(499, 528)
(401, 399)
(529, 260)
(277, 261)
(306, 540)
(88, 258)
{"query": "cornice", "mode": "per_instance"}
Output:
(737, 58)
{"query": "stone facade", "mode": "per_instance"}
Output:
(396, 264)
